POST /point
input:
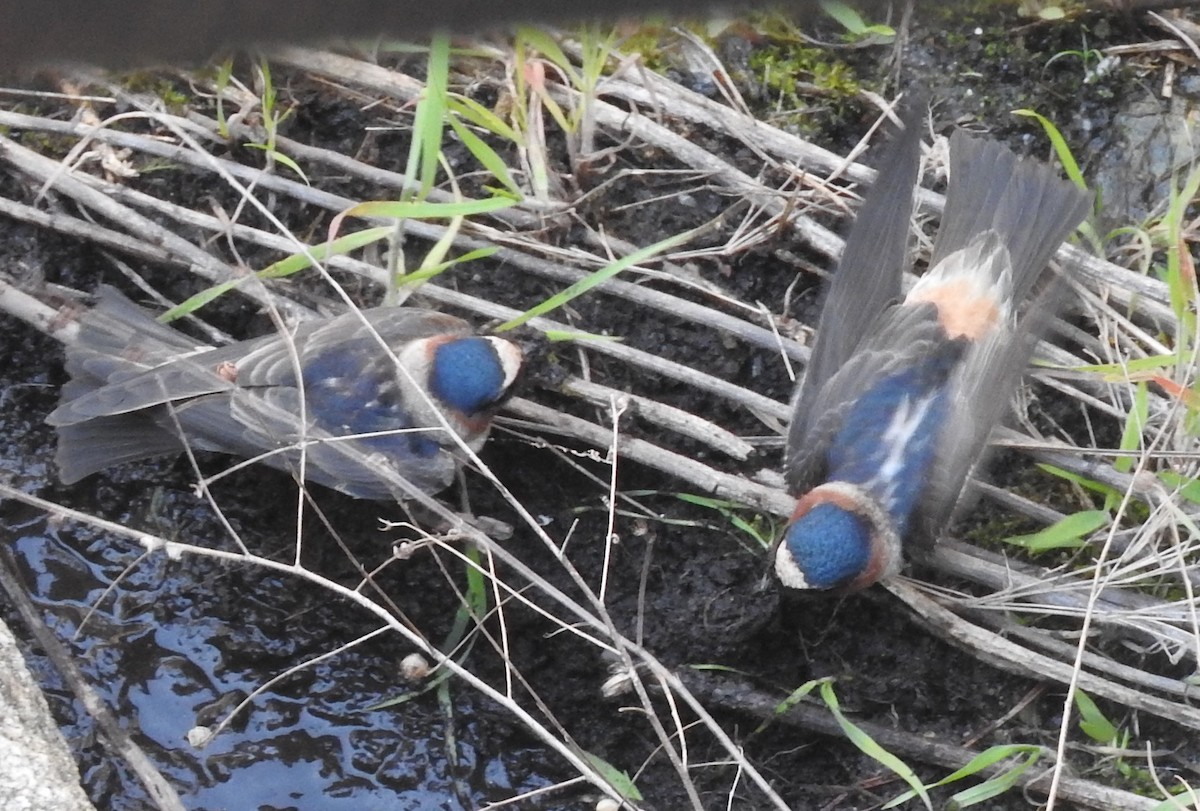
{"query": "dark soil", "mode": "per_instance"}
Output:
(179, 641)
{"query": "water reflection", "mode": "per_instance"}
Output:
(179, 643)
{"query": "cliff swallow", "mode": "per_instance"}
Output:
(354, 405)
(901, 391)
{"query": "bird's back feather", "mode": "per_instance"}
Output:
(135, 383)
(866, 282)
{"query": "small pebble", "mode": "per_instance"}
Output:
(414, 667)
(199, 736)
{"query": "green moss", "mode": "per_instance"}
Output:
(790, 73)
(164, 88)
(647, 41)
(783, 66)
(991, 533)
(953, 14)
(46, 143)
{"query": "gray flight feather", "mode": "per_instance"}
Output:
(867, 281)
(1030, 210)
(135, 382)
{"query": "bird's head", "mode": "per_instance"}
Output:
(840, 538)
(471, 374)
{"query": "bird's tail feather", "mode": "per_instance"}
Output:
(1031, 211)
(1029, 207)
(100, 443)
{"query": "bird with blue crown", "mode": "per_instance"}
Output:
(902, 390)
(373, 399)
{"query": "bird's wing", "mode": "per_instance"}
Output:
(251, 424)
(904, 334)
(866, 282)
(272, 363)
(1031, 210)
(132, 362)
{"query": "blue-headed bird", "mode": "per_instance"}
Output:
(370, 387)
(901, 391)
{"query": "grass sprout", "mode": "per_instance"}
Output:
(852, 21)
(1069, 533)
(868, 746)
(599, 277)
(1003, 781)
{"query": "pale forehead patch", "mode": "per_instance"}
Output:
(510, 357)
(787, 570)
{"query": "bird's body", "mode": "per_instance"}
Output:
(901, 391)
(367, 406)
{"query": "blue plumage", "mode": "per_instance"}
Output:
(883, 451)
(900, 395)
(887, 441)
(466, 374)
(378, 390)
(352, 389)
(830, 545)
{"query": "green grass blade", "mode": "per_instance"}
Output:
(1176, 804)
(847, 17)
(1070, 165)
(1135, 425)
(1187, 486)
(279, 157)
(793, 698)
(867, 745)
(539, 40)
(424, 210)
(437, 82)
(486, 156)
(1181, 270)
(285, 267)
(599, 277)
(1118, 372)
(435, 257)
(984, 760)
(852, 21)
(1084, 482)
(707, 501)
(990, 789)
(616, 778)
(474, 112)
(731, 513)
(1069, 533)
(429, 271)
(560, 335)
(1093, 722)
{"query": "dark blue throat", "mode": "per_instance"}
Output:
(352, 389)
(832, 546)
(466, 375)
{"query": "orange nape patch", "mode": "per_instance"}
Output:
(964, 310)
(828, 493)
